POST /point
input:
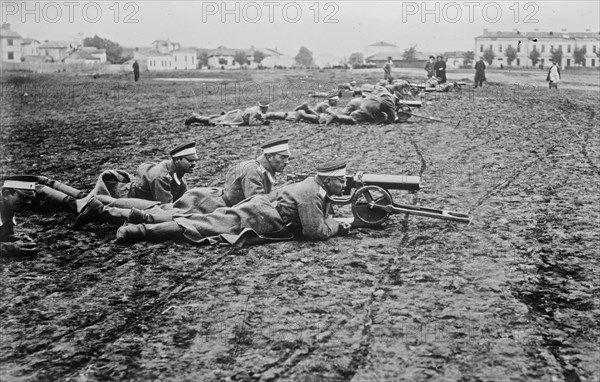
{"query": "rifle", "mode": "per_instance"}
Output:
(372, 203)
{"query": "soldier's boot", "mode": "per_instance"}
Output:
(329, 119)
(197, 118)
(345, 119)
(73, 192)
(303, 106)
(50, 200)
(139, 217)
(276, 115)
(133, 233)
(95, 211)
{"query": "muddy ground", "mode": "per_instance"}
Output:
(511, 297)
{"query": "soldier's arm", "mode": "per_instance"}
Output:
(391, 114)
(315, 226)
(252, 183)
(161, 190)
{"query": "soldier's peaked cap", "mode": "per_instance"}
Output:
(263, 103)
(23, 184)
(184, 150)
(277, 146)
(336, 168)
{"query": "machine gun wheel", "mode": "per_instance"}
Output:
(363, 205)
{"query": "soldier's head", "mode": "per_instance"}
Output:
(332, 177)
(17, 191)
(264, 106)
(353, 83)
(277, 153)
(184, 158)
(333, 100)
(440, 58)
(431, 58)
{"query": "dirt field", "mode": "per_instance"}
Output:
(512, 297)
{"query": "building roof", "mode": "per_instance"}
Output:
(91, 49)
(7, 33)
(541, 35)
(382, 43)
(27, 41)
(223, 51)
(383, 56)
(55, 45)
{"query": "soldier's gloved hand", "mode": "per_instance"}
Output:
(344, 229)
(20, 249)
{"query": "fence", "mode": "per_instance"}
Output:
(51, 67)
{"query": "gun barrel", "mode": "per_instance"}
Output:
(391, 182)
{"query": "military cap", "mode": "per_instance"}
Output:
(431, 57)
(277, 146)
(263, 103)
(333, 97)
(352, 82)
(184, 150)
(23, 184)
(336, 168)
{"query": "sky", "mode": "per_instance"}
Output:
(335, 27)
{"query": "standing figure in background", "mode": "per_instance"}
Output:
(553, 76)
(440, 69)
(479, 72)
(429, 67)
(136, 70)
(387, 70)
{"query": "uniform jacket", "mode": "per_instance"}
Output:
(247, 179)
(253, 116)
(159, 182)
(376, 108)
(429, 69)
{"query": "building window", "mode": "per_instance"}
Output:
(185, 58)
(568, 62)
(569, 48)
(481, 48)
(519, 48)
(9, 42)
(593, 62)
(491, 48)
(518, 62)
(543, 48)
(500, 48)
(594, 48)
(11, 56)
(175, 58)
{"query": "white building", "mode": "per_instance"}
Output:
(30, 47)
(10, 44)
(165, 55)
(543, 42)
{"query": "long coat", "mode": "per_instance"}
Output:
(479, 71)
(298, 208)
(440, 71)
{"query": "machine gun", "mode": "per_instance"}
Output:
(372, 203)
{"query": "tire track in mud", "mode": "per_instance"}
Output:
(545, 297)
(143, 312)
(359, 357)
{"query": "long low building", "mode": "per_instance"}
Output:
(543, 42)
